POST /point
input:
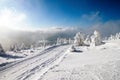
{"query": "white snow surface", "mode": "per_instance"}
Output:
(96, 63)
(32, 68)
(58, 63)
(22, 54)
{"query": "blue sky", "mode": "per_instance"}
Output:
(57, 13)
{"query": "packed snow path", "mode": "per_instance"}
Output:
(35, 67)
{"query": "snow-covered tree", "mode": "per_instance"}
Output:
(70, 41)
(1, 49)
(65, 41)
(96, 39)
(15, 48)
(62, 41)
(117, 36)
(22, 47)
(87, 40)
(114, 37)
(11, 48)
(57, 42)
(44, 43)
(111, 37)
(79, 39)
(106, 38)
(93, 41)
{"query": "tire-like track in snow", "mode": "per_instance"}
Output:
(33, 68)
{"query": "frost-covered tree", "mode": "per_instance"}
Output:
(112, 37)
(65, 41)
(57, 42)
(15, 48)
(93, 41)
(79, 39)
(87, 40)
(11, 48)
(96, 39)
(70, 41)
(117, 36)
(1, 49)
(62, 41)
(44, 42)
(22, 47)
(106, 38)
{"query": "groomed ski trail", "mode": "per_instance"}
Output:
(34, 67)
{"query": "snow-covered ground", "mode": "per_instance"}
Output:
(97, 63)
(11, 56)
(58, 63)
(33, 67)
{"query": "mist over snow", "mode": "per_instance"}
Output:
(32, 36)
(108, 28)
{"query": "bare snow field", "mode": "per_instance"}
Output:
(58, 63)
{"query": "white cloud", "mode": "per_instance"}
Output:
(92, 16)
(11, 19)
(89, 19)
(93, 21)
(108, 27)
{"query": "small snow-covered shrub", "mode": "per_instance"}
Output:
(72, 49)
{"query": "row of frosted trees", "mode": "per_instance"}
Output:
(42, 43)
(114, 37)
(79, 40)
(17, 47)
(93, 40)
(64, 41)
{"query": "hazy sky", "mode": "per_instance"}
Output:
(31, 14)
